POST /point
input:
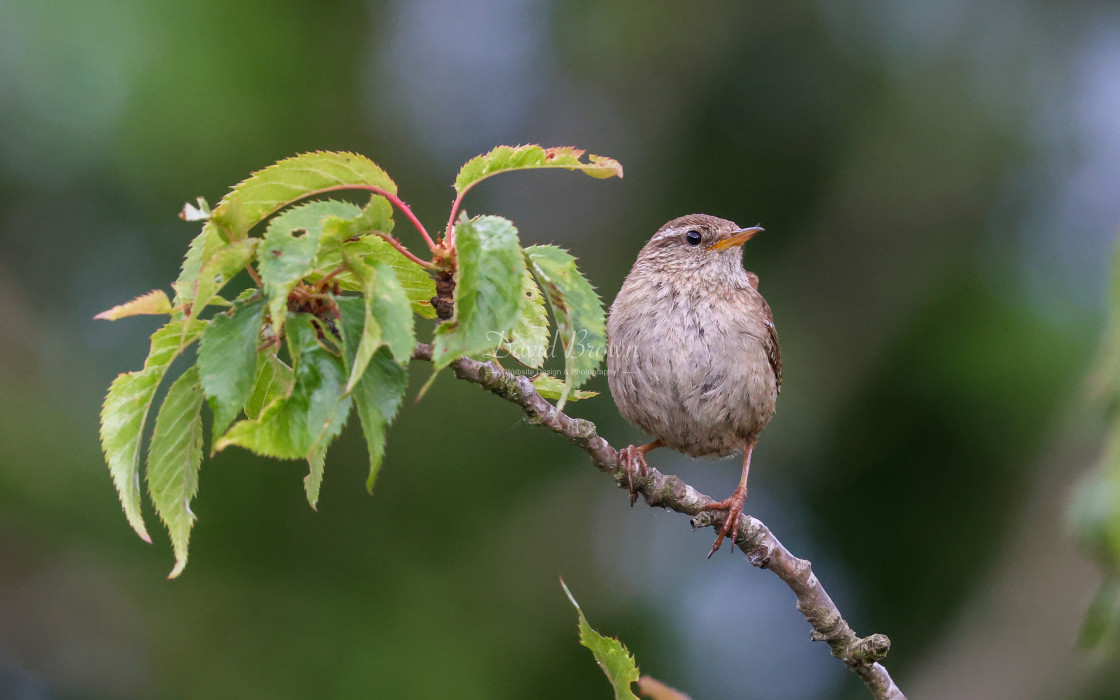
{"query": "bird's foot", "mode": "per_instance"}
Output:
(633, 459)
(734, 508)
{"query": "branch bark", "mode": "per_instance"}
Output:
(763, 550)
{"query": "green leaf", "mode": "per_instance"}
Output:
(418, 285)
(388, 302)
(126, 410)
(173, 459)
(375, 217)
(201, 249)
(272, 380)
(289, 180)
(289, 250)
(487, 289)
(617, 663)
(313, 482)
(311, 416)
(227, 360)
(550, 387)
(505, 158)
(220, 268)
(379, 392)
(370, 338)
(153, 303)
(528, 342)
(580, 324)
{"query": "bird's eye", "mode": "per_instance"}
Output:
(692, 237)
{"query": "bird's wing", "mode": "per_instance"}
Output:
(773, 348)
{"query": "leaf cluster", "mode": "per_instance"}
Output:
(327, 326)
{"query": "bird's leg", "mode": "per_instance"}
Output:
(633, 458)
(733, 505)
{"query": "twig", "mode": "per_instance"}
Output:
(763, 550)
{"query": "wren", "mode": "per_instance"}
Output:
(693, 356)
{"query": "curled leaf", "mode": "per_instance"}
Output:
(191, 212)
(506, 158)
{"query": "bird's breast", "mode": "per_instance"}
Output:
(688, 365)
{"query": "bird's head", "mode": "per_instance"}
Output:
(697, 244)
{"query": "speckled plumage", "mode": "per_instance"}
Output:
(693, 353)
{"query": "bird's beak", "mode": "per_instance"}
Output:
(737, 238)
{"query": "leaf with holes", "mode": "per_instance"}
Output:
(506, 158)
(312, 415)
(289, 249)
(379, 392)
(126, 410)
(289, 180)
(487, 289)
(528, 341)
(153, 303)
(227, 360)
(173, 460)
(580, 324)
(617, 663)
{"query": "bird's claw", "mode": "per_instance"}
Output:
(734, 508)
(633, 460)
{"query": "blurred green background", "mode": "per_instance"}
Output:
(940, 187)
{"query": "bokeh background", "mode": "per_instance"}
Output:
(940, 187)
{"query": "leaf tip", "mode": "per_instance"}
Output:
(153, 303)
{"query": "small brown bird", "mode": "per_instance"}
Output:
(693, 356)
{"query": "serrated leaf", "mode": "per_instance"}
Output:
(202, 248)
(487, 289)
(272, 380)
(375, 217)
(313, 482)
(289, 180)
(418, 285)
(505, 158)
(173, 459)
(370, 337)
(379, 392)
(126, 410)
(153, 303)
(580, 324)
(387, 303)
(289, 249)
(612, 656)
(528, 341)
(311, 416)
(220, 268)
(227, 360)
(550, 387)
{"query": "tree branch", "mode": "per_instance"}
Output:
(763, 550)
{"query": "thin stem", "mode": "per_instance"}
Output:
(406, 252)
(253, 273)
(322, 283)
(393, 199)
(449, 233)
